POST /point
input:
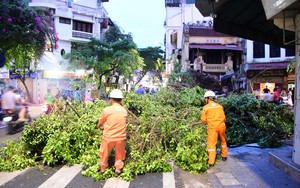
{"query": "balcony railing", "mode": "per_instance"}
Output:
(82, 35)
(215, 68)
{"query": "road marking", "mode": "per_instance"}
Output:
(7, 176)
(62, 177)
(116, 183)
(168, 178)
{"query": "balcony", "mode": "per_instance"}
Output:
(83, 35)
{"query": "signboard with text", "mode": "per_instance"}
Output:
(267, 73)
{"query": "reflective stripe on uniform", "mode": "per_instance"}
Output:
(103, 163)
(224, 146)
(119, 163)
(211, 150)
(116, 112)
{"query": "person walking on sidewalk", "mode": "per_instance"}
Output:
(113, 123)
(213, 115)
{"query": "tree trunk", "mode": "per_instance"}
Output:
(23, 79)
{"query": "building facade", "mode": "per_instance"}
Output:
(74, 21)
(177, 13)
(267, 66)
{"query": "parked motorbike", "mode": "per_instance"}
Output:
(10, 120)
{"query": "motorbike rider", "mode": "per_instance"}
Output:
(11, 103)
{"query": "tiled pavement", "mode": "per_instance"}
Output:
(249, 166)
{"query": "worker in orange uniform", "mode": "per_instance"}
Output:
(213, 114)
(113, 123)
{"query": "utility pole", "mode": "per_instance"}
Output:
(296, 146)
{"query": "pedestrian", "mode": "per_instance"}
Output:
(152, 91)
(140, 90)
(94, 93)
(113, 123)
(266, 90)
(49, 100)
(88, 98)
(78, 95)
(289, 97)
(276, 96)
(283, 95)
(225, 92)
(213, 115)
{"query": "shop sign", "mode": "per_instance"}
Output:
(4, 73)
(267, 73)
(63, 74)
(18, 76)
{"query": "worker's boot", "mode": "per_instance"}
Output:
(224, 158)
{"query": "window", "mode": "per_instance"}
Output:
(173, 3)
(289, 52)
(274, 51)
(258, 50)
(190, 1)
(213, 57)
(82, 26)
(64, 20)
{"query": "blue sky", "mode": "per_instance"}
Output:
(144, 19)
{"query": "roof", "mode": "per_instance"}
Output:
(206, 32)
(216, 47)
(246, 19)
(267, 66)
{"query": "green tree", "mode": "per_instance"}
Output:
(24, 34)
(291, 67)
(114, 54)
(153, 61)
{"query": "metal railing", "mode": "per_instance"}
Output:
(215, 67)
(82, 35)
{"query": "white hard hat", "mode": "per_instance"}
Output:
(116, 94)
(209, 94)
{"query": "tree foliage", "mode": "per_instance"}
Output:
(24, 34)
(249, 120)
(160, 127)
(152, 59)
(117, 53)
(24, 31)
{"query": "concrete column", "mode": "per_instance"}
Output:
(296, 151)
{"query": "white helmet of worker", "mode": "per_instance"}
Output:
(209, 94)
(116, 94)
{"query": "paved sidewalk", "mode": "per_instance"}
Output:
(249, 166)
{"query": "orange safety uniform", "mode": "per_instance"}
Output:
(113, 118)
(213, 114)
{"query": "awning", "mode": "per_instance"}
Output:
(216, 47)
(246, 19)
(267, 66)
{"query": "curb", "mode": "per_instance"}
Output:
(283, 161)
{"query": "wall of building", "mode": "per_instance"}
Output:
(250, 56)
(81, 10)
(175, 17)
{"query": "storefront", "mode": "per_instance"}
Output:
(270, 75)
(57, 81)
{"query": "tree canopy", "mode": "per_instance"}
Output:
(152, 59)
(24, 31)
(105, 57)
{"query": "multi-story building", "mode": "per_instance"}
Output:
(267, 66)
(191, 40)
(74, 20)
(177, 13)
